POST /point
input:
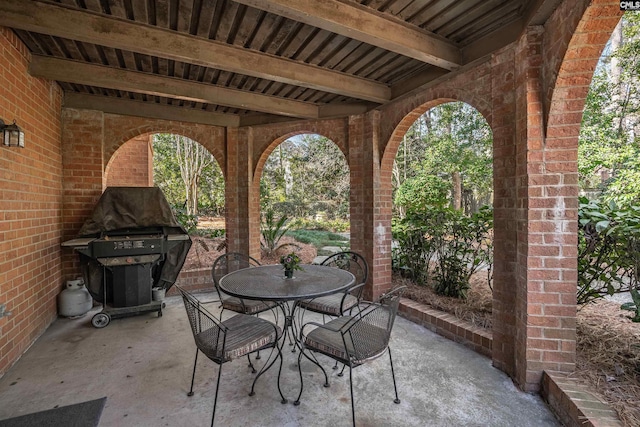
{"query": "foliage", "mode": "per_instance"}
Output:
(210, 233)
(179, 164)
(334, 225)
(318, 238)
(608, 249)
(305, 175)
(272, 231)
(445, 158)
(291, 261)
(443, 247)
(460, 249)
(188, 221)
(633, 305)
(608, 146)
(422, 192)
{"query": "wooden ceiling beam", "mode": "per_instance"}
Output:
(128, 107)
(367, 25)
(90, 27)
(151, 84)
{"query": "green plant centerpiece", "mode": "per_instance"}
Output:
(290, 262)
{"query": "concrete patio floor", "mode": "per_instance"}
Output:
(143, 364)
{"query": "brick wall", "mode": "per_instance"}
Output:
(91, 139)
(30, 203)
(132, 164)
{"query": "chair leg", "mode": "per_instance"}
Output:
(193, 374)
(393, 375)
(342, 371)
(253, 370)
(353, 409)
(215, 399)
(326, 377)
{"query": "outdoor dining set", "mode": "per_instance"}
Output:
(352, 331)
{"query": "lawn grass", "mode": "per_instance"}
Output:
(319, 238)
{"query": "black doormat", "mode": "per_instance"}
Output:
(85, 414)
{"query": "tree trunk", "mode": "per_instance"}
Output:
(457, 190)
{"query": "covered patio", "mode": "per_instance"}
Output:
(143, 366)
(82, 78)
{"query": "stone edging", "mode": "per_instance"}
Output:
(572, 403)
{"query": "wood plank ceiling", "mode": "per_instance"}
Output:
(242, 62)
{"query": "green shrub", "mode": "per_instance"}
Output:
(188, 221)
(334, 225)
(443, 247)
(608, 249)
(462, 245)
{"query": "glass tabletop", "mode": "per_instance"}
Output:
(267, 282)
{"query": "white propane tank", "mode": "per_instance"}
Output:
(74, 300)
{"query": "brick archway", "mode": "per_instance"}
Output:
(262, 159)
(264, 155)
(131, 164)
(213, 143)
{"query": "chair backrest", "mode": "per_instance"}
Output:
(208, 333)
(370, 331)
(350, 261)
(228, 263)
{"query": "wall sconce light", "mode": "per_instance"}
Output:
(12, 135)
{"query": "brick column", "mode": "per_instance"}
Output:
(370, 202)
(504, 213)
(238, 190)
(546, 235)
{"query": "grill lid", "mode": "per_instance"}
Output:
(135, 210)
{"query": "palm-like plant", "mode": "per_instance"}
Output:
(272, 231)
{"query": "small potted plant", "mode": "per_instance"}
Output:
(290, 262)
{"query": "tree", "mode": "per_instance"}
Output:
(609, 148)
(188, 174)
(306, 175)
(452, 144)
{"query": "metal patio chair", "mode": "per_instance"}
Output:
(226, 264)
(230, 339)
(338, 304)
(353, 340)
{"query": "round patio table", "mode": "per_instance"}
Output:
(267, 283)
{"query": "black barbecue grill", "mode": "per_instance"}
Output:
(131, 244)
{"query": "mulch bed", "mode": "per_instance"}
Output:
(608, 343)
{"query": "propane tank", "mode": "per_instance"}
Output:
(75, 299)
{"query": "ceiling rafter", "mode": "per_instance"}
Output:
(89, 27)
(128, 107)
(369, 26)
(170, 87)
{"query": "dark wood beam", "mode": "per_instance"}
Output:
(151, 84)
(127, 107)
(367, 25)
(90, 27)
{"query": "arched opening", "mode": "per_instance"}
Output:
(190, 179)
(442, 181)
(304, 187)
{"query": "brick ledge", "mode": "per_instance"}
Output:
(445, 324)
(571, 402)
(574, 405)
